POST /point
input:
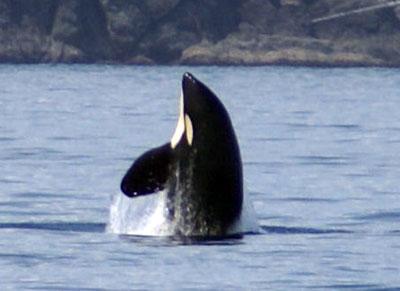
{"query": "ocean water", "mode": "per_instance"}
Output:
(321, 153)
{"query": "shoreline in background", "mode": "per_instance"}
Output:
(294, 66)
(217, 32)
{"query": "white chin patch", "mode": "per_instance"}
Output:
(180, 127)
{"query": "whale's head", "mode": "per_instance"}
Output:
(200, 168)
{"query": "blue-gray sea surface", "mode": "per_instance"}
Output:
(321, 153)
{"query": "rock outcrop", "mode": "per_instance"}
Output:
(245, 32)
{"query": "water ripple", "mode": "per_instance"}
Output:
(306, 200)
(36, 195)
(354, 127)
(183, 240)
(32, 153)
(349, 287)
(380, 216)
(56, 226)
(66, 288)
(7, 139)
(300, 230)
(322, 160)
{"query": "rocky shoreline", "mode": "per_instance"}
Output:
(201, 32)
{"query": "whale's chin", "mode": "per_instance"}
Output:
(147, 216)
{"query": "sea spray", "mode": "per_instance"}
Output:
(139, 216)
(146, 215)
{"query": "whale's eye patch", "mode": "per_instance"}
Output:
(188, 129)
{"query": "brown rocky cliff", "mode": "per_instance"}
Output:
(248, 32)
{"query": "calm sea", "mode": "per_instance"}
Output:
(321, 152)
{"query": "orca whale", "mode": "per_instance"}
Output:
(200, 168)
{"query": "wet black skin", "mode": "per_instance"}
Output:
(203, 179)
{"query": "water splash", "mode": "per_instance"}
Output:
(248, 221)
(146, 215)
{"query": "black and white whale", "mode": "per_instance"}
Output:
(200, 169)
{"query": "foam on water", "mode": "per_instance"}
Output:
(248, 220)
(145, 215)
